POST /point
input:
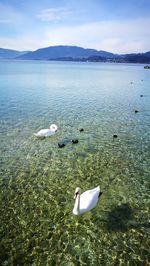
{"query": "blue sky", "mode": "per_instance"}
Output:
(118, 26)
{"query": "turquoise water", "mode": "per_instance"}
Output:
(38, 180)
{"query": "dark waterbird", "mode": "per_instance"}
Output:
(81, 129)
(75, 141)
(61, 145)
(136, 111)
(115, 136)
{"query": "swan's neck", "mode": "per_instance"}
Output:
(76, 209)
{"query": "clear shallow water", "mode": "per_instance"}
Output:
(38, 179)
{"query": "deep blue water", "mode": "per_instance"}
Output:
(38, 179)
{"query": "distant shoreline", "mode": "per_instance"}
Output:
(146, 65)
(75, 54)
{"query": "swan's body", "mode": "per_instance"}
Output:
(86, 201)
(47, 132)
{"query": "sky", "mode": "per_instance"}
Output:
(118, 26)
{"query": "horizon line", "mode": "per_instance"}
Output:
(57, 45)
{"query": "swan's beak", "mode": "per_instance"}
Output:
(77, 191)
(75, 195)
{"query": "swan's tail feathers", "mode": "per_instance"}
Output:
(100, 194)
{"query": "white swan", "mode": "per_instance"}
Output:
(86, 201)
(47, 132)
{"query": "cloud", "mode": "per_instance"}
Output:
(5, 21)
(118, 36)
(9, 15)
(23, 43)
(53, 14)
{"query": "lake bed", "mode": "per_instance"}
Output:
(38, 179)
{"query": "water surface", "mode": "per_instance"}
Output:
(38, 179)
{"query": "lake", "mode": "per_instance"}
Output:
(38, 179)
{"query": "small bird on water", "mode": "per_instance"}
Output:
(75, 141)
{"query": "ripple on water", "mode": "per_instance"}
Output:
(38, 179)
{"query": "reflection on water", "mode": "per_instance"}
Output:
(38, 179)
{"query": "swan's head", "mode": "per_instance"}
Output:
(53, 128)
(77, 191)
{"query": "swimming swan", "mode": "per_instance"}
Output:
(86, 201)
(47, 132)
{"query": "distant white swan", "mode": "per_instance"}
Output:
(86, 201)
(46, 132)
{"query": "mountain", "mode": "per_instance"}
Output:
(147, 54)
(74, 53)
(62, 52)
(137, 58)
(10, 54)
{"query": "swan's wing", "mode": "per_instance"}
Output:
(89, 199)
(50, 133)
(44, 133)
